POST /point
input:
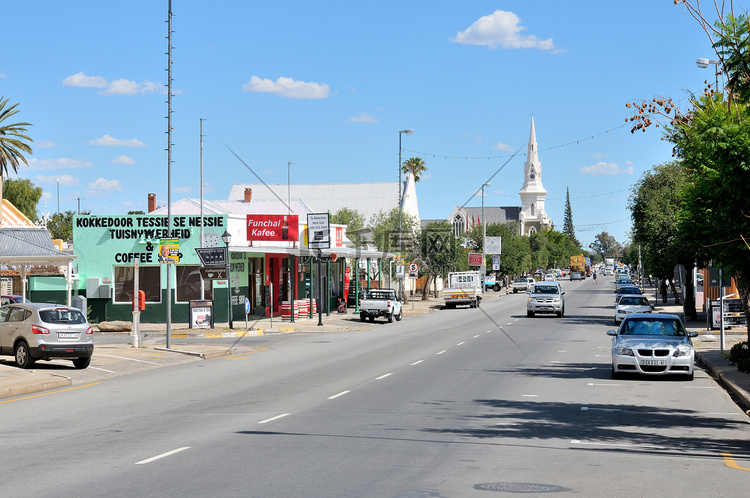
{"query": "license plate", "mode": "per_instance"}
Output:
(653, 363)
(67, 335)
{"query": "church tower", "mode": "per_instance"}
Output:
(533, 217)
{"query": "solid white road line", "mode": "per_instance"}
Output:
(384, 376)
(592, 384)
(530, 395)
(274, 418)
(586, 408)
(103, 370)
(131, 359)
(576, 441)
(339, 394)
(417, 362)
(149, 460)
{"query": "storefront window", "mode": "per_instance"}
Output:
(255, 281)
(149, 281)
(189, 284)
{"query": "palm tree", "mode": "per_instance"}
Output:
(13, 145)
(415, 165)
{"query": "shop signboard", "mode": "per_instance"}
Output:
(475, 259)
(319, 231)
(493, 245)
(272, 227)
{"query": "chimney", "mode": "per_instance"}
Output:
(151, 202)
(248, 194)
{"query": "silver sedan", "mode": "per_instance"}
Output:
(652, 344)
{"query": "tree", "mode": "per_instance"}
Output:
(385, 231)
(516, 253)
(13, 144)
(355, 223)
(24, 195)
(439, 252)
(607, 246)
(60, 225)
(416, 166)
(568, 228)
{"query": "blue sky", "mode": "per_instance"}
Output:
(327, 85)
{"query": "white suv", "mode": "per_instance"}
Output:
(546, 297)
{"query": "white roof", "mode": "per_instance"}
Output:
(189, 206)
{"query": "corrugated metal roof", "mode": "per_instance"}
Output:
(188, 206)
(29, 246)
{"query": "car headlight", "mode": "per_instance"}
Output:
(556, 299)
(623, 351)
(681, 351)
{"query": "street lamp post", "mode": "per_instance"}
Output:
(484, 239)
(227, 238)
(703, 63)
(408, 132)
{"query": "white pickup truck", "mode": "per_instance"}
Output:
(380, 302)
(522, 284)
(464, 287)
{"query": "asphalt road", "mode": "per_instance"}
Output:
(440, 405)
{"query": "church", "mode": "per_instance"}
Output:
(531, 215)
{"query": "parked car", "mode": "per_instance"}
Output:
(546, 297)
(36, 331)
(622, 281)
(12, 299)
(631, 303)
(380, 302)
(575, 275)
(652, 344)
(550, 277)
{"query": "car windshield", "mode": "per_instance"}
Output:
(634, 301)
(630, 290)
(545, 289)
(646, 326)
(62, 315)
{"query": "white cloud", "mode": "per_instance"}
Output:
(65, 180)
(61, 163)
(44, 144)
(504, 147)
(501, 28)
(123, 159)
(599, 155)
(605, 168)
(80, 79)
(362, 118)
(109, 141)
(287, 87)
(100, 184)
(182, 190)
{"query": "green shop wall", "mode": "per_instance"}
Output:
(103, 242)
(50, 289)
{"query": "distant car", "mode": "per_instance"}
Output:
(546, 297)
(550, 277)
(12, 299)
(523, 284)
(575, 275)
(35, 331)
(621, 281)
(629, 289)
(652, 344)
(631, 303)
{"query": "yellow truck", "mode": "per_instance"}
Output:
(578, 263)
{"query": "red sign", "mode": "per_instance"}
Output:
(347, 277)
(475, 259)
(339, 237)
(274, 227)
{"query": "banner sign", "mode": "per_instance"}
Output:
(169, 251)
(272, 227)
(319, 231)
(475, 259)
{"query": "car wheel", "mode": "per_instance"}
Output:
(559, 314)
(81, 363)
(400, 315)
(390, 318)
(371, 318)
(690, 376)
(23, 357)
(362, 317)
(496, 288)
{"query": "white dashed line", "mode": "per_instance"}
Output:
(476, 336)
(555, 361)
(592, 384)
(339, 394)
(586, 408)
(443, 351)
(274, 418)
(461, 343)
(700, 387)
(417, 362)
(576, 441)
(530, 395)
(149, 460)
(384, 376)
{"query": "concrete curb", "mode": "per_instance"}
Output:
(30, 383)
(727, 375)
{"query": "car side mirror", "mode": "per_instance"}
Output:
(612, 333)
(693, 334)
(562, 293)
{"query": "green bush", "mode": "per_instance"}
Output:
(740, 356)
(744, 365)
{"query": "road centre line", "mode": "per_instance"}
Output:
(131, 359)
(476, 336)
(441, 352)
(274, 418)
(594, 443)
(48, 393)
(592, 384)
(700, 387)
(339, 394)
(384, 376)
(586, 408)
(157, 457)
(417, 362)
(461, 343)
(529, 395)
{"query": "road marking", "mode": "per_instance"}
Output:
(592, 443)
(563, 351)
(729, 461)
(476, 336)
(461, 343)
(509, 323)
(592, 384)
(339, 394)
(488, 332)
(443, 351)
(384, 376)
(555, 361)
(530, 395)
(52, 392)
(149, 460)
(585, 408)
(516, 319)
(103, 370)
(508, 423)
(417, 362)
(700, 387)
(274, 418)
(131, 359)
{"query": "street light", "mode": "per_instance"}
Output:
(484, 238)
(227, 238)
(703, 63)
(407, 132)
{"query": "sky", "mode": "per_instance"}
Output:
(328, 85)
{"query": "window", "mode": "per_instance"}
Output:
(255, 281)
(149, 281)
(532, 210)
(458, 226)
(189, 284)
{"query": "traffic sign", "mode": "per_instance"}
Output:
(475, 259)
(212, 256)
(213, 273)
(413, 270)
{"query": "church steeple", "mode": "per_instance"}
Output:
(533, 216)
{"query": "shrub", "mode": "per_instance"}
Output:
(740, 356)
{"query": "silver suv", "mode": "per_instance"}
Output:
(33, 331)
(546, 297)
